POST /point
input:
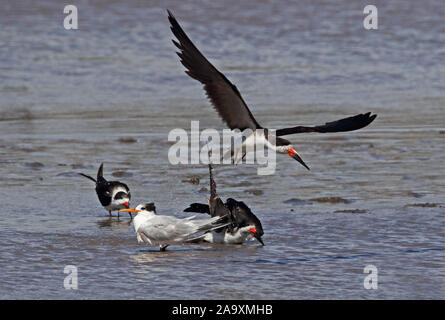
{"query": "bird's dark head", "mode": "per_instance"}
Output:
(122, 199)
(147, 208)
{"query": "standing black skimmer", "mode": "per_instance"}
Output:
(243, 223)
(113, 195)
(166, 230)
(231, 107)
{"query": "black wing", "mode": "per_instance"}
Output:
(100, 172)
(87, 176)
(347, 124)
(224, 96)
(198, 207)
(103, 192)
(243, 216)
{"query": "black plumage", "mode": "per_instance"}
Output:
(231, 107)
(236, 212)
(113, 195)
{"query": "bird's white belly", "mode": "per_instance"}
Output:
(253, 142)
(225, 237)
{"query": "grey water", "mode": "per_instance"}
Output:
(112, 90)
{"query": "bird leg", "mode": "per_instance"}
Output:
(163, 247)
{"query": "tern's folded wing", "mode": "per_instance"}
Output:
(166, 229)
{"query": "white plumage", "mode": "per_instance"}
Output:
(160, 230)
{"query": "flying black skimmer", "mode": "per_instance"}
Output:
(166, 230)
(229, 104)
(113, 195)
(243, 223)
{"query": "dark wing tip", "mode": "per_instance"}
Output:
(100, 172)
(224, 96)
(372, 117)
(348, 124)
(177, 44)
(88, 177)
(174, 23)
(352, 123)
(366, 119)
(198, 208)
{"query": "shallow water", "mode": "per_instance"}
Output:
(111, 91)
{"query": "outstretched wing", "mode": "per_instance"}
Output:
(224, 96)
(347, 124)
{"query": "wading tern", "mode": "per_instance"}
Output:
(162, 231)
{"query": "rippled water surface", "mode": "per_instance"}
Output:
(113, 89)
